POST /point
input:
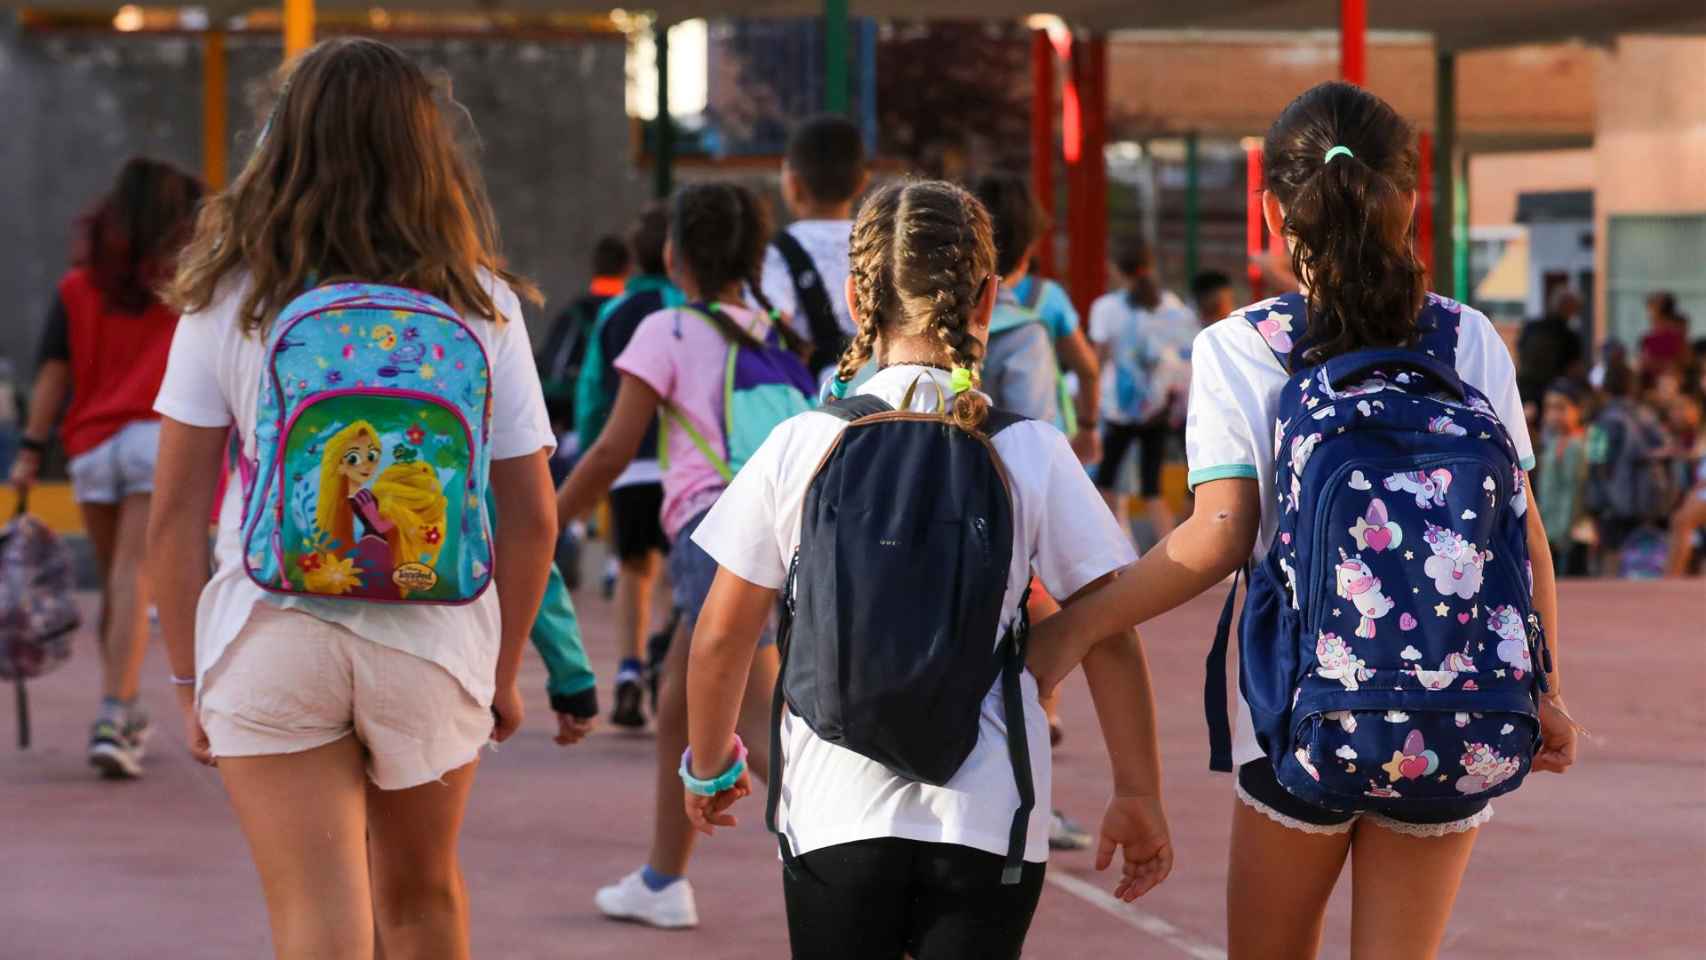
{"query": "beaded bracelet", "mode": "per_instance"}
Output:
(719, 783)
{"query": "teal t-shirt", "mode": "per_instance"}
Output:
(1052, 304)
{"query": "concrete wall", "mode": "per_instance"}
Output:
(550, 115)
(1650, 148)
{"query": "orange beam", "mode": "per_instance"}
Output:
(214, 121)
(298, 26)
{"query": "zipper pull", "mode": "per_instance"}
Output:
(1539, 654)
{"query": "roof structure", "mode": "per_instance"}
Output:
(1454, 24)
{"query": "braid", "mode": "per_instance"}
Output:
(869, 260)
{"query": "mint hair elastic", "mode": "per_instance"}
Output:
(1338, 151)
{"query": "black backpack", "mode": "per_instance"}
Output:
(894, 660)
(828, 339)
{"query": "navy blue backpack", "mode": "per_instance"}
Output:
(1389, 639)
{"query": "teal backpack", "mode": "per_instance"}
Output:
(1012, 315)
(761, 388)
(592, 401)
(368, 472)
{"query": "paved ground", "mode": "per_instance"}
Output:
(1609, 862)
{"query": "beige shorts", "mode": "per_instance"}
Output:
(292, 682)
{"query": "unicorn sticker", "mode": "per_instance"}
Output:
(1456, 565)
(1301, 450)
(1359, 585)
(1506, 623)
(1485, 768)
(1337, 661)
(1429, 488)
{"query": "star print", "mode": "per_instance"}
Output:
(1442, 778)
(1409, 554)
(1391, 767)
(1486, 436)
(1341, 429)
(1441, 609)
(1336, 612)
(1415, 589)
(1311, 403)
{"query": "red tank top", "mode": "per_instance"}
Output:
(117, 362)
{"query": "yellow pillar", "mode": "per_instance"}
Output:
(298, 26)
(213, 117)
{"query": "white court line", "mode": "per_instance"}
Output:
(1147, 922)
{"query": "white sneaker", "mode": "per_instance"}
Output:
(671, 908)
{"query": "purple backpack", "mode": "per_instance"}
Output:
(38, 608)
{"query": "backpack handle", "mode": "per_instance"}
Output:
(1347, 368)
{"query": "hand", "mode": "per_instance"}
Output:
(194, 736)
(25, 469)
(367, 505)
(506, 712)
(1139, 826)
(706, 813)
(572, 729)
(1087, 444)
(1557, 737)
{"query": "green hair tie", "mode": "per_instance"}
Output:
(960, 379)
(1336, 151)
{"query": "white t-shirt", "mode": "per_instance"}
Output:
(212, 380)
(1140, 342)
(1229, 429)
(826, 241)
(1062, 532)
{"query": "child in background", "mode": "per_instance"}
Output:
(674, 367)
(805, 267)
(1142, 335)
(1017, 384)
(565, 346)
(1560, 477)
(888, 866)
(1211, 290)
(636, 495)
(347, 732)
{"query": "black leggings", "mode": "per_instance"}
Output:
(887, 898)
(1151, 440)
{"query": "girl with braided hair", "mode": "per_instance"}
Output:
(886, 866)
(672, 371)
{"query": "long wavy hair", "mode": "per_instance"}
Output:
(357, 175)
(130, 241)
(1349, 219)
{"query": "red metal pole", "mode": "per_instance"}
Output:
(1087, 173)
(1042, 144)
(1353, 41)
(1253, 218)
(1425, 204)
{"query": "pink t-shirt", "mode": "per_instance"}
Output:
(678, 353)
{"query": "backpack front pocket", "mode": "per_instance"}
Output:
(375, 501)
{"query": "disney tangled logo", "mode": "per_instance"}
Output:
(414, 578)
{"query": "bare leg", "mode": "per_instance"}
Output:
(1689, 517)
(420, 904)
(305, 817)
(672, 836)
(1402, 891)
(100, 521)
(124, 624)
(636, 579)
(1277, 887)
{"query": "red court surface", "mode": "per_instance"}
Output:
(1608, 862)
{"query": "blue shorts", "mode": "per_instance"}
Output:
(691, 571)
(1258, 789)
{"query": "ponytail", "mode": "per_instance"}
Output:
(1343, 164)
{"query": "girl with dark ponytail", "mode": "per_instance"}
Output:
(674, 367)
(1341, 189)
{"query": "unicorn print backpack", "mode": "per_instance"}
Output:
(368, 474)
(1389, 640)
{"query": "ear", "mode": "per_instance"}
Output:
(855, 309)
(984, 309)
(790, 187)
(1274, 214)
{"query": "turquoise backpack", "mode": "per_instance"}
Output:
(368, 472)
(761, 388)
(1012, 314)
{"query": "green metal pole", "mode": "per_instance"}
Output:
(663, 162)
(835, 29)
(1444, 200)
(1460, 230)
(1193, 216)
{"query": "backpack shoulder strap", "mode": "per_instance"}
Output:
(1283, 343)
(999, 420)
(855, 407)
(1034, 295)
(1437, 328)
(809, 292)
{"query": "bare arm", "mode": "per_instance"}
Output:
(635, 409)
(524, 542)
(1216, 540)
(1557, 730)
(47, 397)
(186, 478)
(1075, 355)
(1136, 819)
(724, 640)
